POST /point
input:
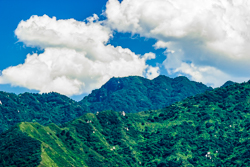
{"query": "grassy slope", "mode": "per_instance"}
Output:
(91, 140)
(211, 129)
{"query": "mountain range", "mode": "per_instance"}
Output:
(133, 94)
(129, 94)
(208, 129)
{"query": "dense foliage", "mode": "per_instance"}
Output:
(133, 94)
(18, 149)
(42, 108)
(210, 129)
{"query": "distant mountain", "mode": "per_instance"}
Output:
(209, 129)
(129, 94)
(228, 83)
(133, 94)
(32, 107)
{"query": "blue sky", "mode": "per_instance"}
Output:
(13, 52)
(12, 12)
(197, 44)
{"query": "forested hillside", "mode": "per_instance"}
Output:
(130, 94)
(32, 107)
(133, 94)
(209, 129)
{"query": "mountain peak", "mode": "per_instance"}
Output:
(135, 93)
(181, 78)
(228, 83)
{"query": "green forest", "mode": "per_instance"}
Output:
(207, 129)
(132, 94)
(43, 108)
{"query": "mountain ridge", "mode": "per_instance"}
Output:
(209, 129)
(132, 94)
(32, 107)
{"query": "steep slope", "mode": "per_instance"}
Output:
(134, 94)
(91, 140)
(210, 129)
(45, 108)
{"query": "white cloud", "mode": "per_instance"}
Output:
(209, 34)
(161, 44)
(76, 58)
(149, 56)
(152, 72)
(206, 74)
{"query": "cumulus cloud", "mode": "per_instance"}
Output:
(76, 56)
(152, 72)
(210, 34)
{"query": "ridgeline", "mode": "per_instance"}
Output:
(209, 129)
(32, 107)
(130, 94)
(133, 94)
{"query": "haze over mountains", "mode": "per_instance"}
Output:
(208, 129)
